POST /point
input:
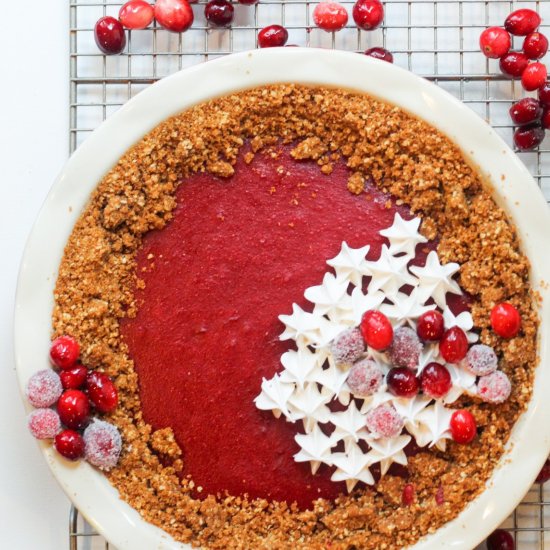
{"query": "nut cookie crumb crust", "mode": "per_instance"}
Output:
(407, 158)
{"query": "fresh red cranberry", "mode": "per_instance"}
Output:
(380, 53)
(174, 15)
(109, 35)
(330, 16)
(430, 326)
(526, 111)
(74, 378)
(501, 540)
(495, 42)
(505, 320)
(402, 382)
(69, 444)
(545, 120)
(544, 474)
(102, 392)
(535, 45)
(272, 36)
(534, 76)
(136, 14)
(528, 137)
(453, 345)
(544, 94)
(407, 497)
(368, 14)
(440, 496)
(64, 352)
(522, 22)
(463, 426)
(376, 330)
(219, 13)
(513, 64)
(435, 380)
(73, 408)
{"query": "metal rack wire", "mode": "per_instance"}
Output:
(437, 39)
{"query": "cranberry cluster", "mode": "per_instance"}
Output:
(532, 116)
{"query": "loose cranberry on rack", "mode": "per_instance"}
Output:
(368, 14)
(534, 76)
(526, 111)
(219, 13)
(109, 35)
(545, 120)
(535, 45)
(272, 36)
(380, 53)
(247, 2)
(136, 14)
(544, 474)
(501, 540)
(527, 138)
(174, 15)
(495, 42)
(544, 94)
(330, 16)
(513, 64)
(522, 22)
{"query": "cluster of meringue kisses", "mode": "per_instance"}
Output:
(372, 424)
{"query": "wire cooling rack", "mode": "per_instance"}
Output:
(437, 39)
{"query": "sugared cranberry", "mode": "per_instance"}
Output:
(102, 444)
(380, 53)
(174, 15)
(368, 14)
(101, 391)
(384, 421)
(44, 423)
(501, 540)
(364, 378)
(544, 474)
(480, 360)
(402, 382)
(435, 380)
(528, 137)
(109, 35)
(430, 326)
(330, 16)
(219, 13)
(74, 378)
(407, 497)
(494, 388)
(453, 345)
(405, 348)
(73, 408)
(505, 320)
(272, 36)
(526, 111)
(513, 64)
(544, 94)
(43, 388)
(463, 426)
(545, 120)
(495, 42)
(64, 352)
(69, 444)
(534, 76)
(535, 45)
(376, 330)
(348, 347)
(136, 14)
(522, 22)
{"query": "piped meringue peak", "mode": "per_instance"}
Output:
(360, 406)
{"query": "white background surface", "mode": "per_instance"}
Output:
(33, 147)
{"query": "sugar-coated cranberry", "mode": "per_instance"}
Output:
(453, 345)
(109, 35)
(495, 42)
(272, 36)
(348, 347)
(435, 380)
(494, 388)
(480, 360)
(501, 540)
(405, 348)
(407, 497)
(535, 45)
(545, 120)
(402, 382)
(522, 22)
(380, 53)
(136, 14)
(544, 94)
(219, 13)
(74, 378)
(526, 111)
(64, 352)
(463, 426)
(368, 14)
(534, 76)
(513, 64)
(430, 326)
(69, 444)
(528, 137)
(544, 474)
(505, 320)
(101, 391)
(376, 330)
(73, 408)
(43, 388)
(330, 16)
(384, 421)
(364, 378)
(174, 15)
(44, 423)
(102, 444)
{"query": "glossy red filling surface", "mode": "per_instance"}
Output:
(236, 255)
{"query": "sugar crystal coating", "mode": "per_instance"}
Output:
(406, 347)
(494, 388)
(102, 444)
(43, 388)
(44, 423)
(384, 421)
(480, 360)
(364, 378)
(348, 347)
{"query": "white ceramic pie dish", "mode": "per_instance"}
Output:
(514, 190)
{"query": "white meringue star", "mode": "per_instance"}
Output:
(378, 398)
(298, 364)
(433, 426)
(463, 320)
(387, 451)
(332, 378)
(463, 382)
(274, 396)
(405, 309)
(359, 303)
(351, 467)
(327, 296)
(349, 264)
(349, 423)
(429, 354)
(309, 405)
(314, 448)
(403, 235)
(409, 409)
